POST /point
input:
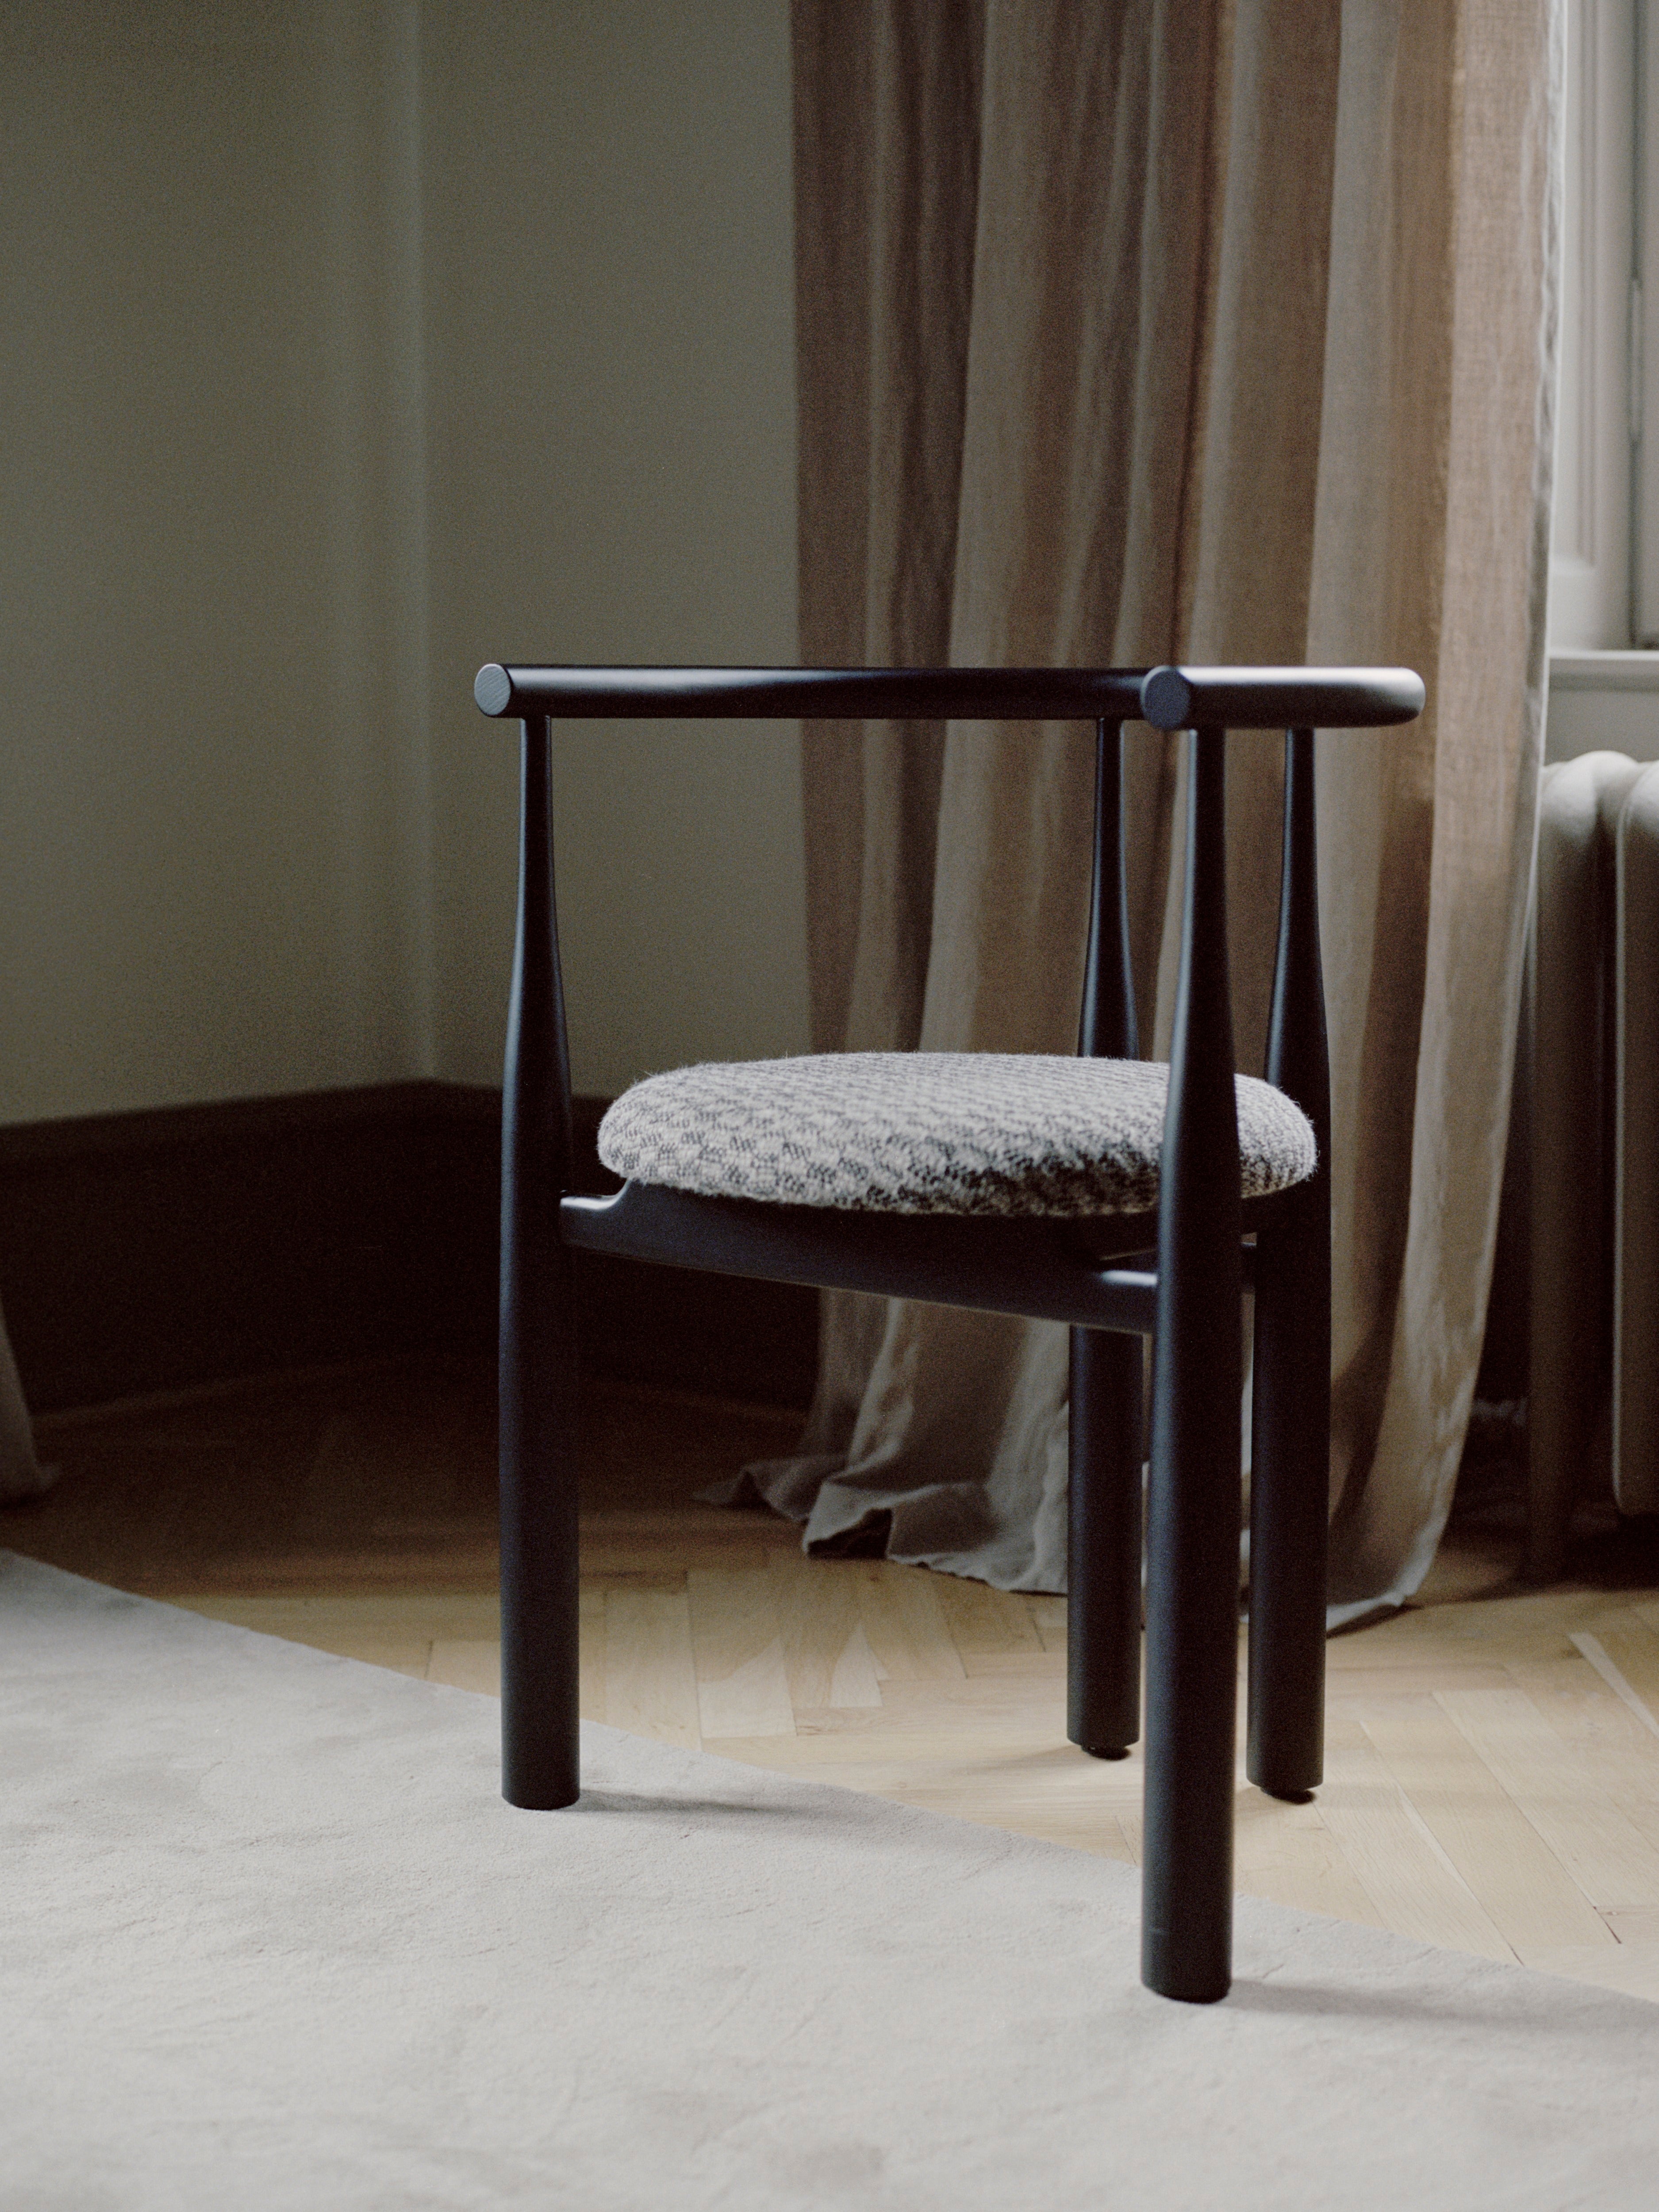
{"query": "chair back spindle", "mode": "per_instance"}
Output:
(1107, 1029)
(1105, 1425)
(1297, 1057)
(1289, 1455)
(535, 1101)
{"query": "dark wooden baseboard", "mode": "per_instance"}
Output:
(150, 1251)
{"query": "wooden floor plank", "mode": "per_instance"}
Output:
(1346, 1685)
(1012, 1703)
(650, 1676)
(1407, 1875)
(385, 1612)
(737, 1643)
(1035, 1665)
(904, 1623)
(1525, 1889)
(1039, 1794)
(1601, 1847)
(1641, 1927)
(592, 1644)
(985, 1623)
(1628, 1659)
(1585, 1711)
(826, 1653)
(1049, 1619)
(1287, 1853)
(380, 1636)
(467, 1664)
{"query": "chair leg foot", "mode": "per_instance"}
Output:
(1102, 1606)
(540, 1723)
(533, 1799)
(1168, 1971)
(1192, 1676)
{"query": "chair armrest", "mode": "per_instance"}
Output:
(1018, 694)
(1169, 698)
(1279, 698)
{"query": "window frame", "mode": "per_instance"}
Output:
(1604, 563)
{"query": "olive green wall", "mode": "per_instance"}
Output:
(344, 346)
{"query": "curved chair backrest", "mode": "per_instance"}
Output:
(1206, 702)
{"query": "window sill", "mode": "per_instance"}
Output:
(1578, 670)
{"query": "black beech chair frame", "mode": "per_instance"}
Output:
(1177, 1273)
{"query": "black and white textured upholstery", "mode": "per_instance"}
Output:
(980, 1132)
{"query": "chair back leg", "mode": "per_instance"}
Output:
(1289, 1455)
(1103, 1579)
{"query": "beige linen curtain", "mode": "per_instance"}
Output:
(1177, 330)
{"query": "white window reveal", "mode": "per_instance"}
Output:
(1597, 456)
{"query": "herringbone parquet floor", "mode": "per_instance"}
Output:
(1493, 1752)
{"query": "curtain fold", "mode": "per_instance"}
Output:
(1172, 330)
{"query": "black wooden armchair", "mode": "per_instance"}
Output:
(1112, 1197)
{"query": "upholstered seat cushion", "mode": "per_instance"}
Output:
(930, 1133)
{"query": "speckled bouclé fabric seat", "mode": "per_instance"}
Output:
(990, 1132)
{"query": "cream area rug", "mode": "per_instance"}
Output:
(271, 1939)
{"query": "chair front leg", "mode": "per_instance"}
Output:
(1192, 1659)
(540, 1723)
(1192, 1499)
(1103, 1605)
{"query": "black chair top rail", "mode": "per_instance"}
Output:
(1169, 698)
